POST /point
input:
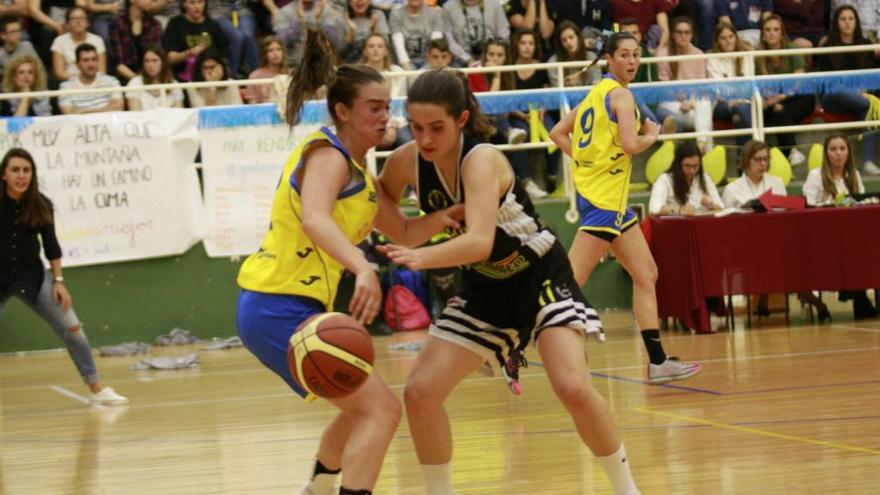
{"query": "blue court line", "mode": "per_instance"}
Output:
(642, 382)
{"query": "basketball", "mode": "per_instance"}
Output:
(330, 355)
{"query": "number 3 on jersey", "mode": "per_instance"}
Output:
(586, 128)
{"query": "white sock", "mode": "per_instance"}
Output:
(438, 478)
(616, 467)
(323, 484)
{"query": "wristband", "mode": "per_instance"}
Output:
(59, 279)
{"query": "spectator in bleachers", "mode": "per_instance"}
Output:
(838, 177)
(525, 49)
(387, 6)
(647, 71)
(239, 25)
(847, 31)
(50, 17)
(25, 73)
(103, 13)
(592, 14)
(702, 16)
(805, 21)
(738, 111)
(64, 60)
(745, 16)
(470, 24)
(211, 66)
(783, 109)
(688, 111)
(686, 189)
(439, 55)
(189, 34)
(130, 34)
(754, 181)
(293, 21)
(273, 62)
(413, 27)
(362, 20)
(155, 69)
(531, 15)
(376, 55)
(569, 47)
(647, 13)
(88, 76)
(869, 15)
(13, 45)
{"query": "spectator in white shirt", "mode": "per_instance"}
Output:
(64, 61)
(155, 69)
(685, 189)
(836, 176)
(89, 77)
(754, 180)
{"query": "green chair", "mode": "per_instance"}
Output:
(779, 166)
(715, 164)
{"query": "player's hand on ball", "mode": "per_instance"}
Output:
(367, 298)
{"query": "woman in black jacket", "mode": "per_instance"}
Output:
(24, 215)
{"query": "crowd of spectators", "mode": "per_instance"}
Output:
(105, 43)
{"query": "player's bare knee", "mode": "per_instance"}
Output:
(575, 394)
(418, 393)
(647, 276)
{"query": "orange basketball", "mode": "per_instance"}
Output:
(330, 355)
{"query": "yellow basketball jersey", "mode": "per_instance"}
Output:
(288, 262)
(602, 169)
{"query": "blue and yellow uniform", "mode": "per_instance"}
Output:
(291, 278)
(602, 169)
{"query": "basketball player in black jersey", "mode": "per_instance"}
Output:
(517, 282)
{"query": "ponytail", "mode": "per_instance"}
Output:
(451, 89)
(317, 69)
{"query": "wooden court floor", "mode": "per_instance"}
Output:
(777, 411)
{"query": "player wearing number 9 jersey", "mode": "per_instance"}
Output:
(601, 135)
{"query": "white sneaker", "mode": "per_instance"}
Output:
(533, 190)
(515, 135)
(870, 168)
(796, 158)
(597, 332)
(107, 397)
(670, 370)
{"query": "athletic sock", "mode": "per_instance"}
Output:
(345, 491)
(651, 337)
(323, 480)
(438, 478)
(616, 467)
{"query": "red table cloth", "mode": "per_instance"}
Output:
(760, 253)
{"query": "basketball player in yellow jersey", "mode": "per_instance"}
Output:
(324, 205)
(602, 135)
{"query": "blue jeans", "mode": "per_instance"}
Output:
(857, 104)
(242, 43)
(742, 112)
(552, 158)
(61, 322)
(101, 27)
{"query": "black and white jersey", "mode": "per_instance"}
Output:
(520, 237)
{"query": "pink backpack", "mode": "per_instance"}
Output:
(404, 311)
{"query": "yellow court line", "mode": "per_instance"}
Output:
(756, 431)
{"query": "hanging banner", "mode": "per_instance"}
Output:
(244, 150)
(123, 184)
